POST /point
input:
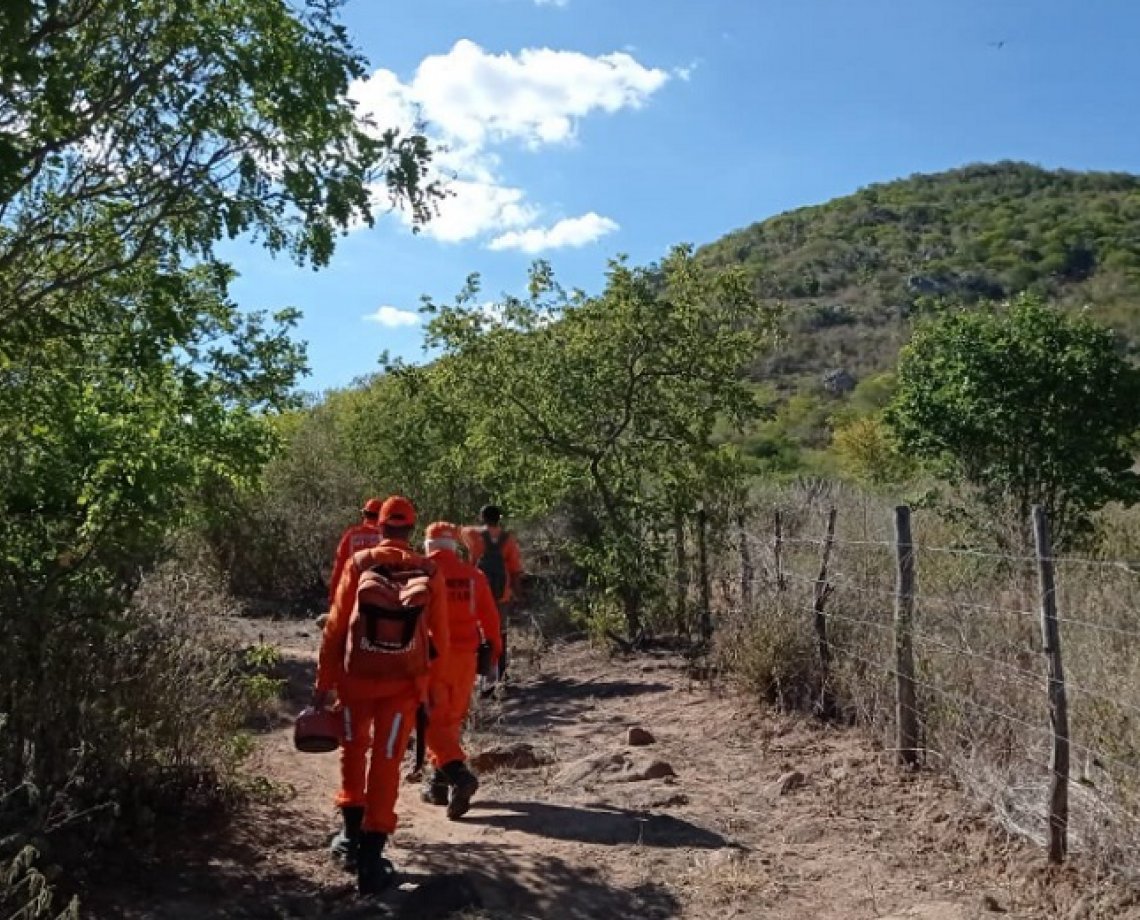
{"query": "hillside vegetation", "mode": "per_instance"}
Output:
(854, 273)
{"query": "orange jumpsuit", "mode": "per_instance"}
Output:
(512, 560)
(470, 607)
(379, 714)
(356, 538)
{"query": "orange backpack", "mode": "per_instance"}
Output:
(387, 632)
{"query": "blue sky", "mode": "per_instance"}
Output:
(580, 129)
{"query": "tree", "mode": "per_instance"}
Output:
(134, 136)
(1026, 405)
(608, 401)
(106, 446)
(133, 129)
(866, 451)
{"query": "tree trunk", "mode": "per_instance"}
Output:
(681, 572)
(631, 604)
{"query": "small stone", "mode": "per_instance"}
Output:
(659, 769)
(791, 780)
(639, 737)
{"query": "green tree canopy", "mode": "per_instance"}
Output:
(134, 136)
(1026, 404)
(133, 129)
(611, 400)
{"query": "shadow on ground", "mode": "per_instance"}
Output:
(604, 825)
(561, 700)
(230, 878)
(221, 871)
(523, 884)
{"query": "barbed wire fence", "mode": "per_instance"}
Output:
(1019, 673)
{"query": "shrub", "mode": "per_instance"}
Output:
(134, 717)
(772, 654)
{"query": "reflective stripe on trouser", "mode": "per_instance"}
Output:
(384, 726)
(451, 696)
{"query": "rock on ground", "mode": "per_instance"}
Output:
(639, 737)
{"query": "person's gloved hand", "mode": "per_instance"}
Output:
(322, 699)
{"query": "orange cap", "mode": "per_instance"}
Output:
(442, 530)
(372, 506)
(397, 510)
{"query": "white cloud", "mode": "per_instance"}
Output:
(685, 73)
(393, 317)
(478, 205)
(476, 102)
(559, 3)
(572, 231)
(536, 96)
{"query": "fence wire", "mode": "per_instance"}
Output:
(979, 661)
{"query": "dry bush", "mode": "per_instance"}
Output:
(137, 723)
(276, 543)
(772, 654)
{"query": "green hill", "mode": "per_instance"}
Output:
(855, 272)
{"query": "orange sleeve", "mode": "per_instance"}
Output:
(342, 552)
(330, 664)
(487, 612)
(439, 623)
(474, 543)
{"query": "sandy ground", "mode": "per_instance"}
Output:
(764, 816)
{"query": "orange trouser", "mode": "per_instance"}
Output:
(451, 696)
(384, 725)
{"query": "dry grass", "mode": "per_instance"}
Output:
(978, 650)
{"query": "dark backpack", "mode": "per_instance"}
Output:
(492, 564)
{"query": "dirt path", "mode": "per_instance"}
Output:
(580, 837)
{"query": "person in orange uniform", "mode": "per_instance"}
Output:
(355, 538)
(472, 617)
(379, 713)
(495, 552)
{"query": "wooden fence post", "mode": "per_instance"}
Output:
(822, 592)
(906, 702)
(778, 552)
(703, 565)
(747, 574)
(1058, 700)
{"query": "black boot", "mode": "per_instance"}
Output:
(374, 873)
(346, 843)
(435, 787)
(464, 784)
